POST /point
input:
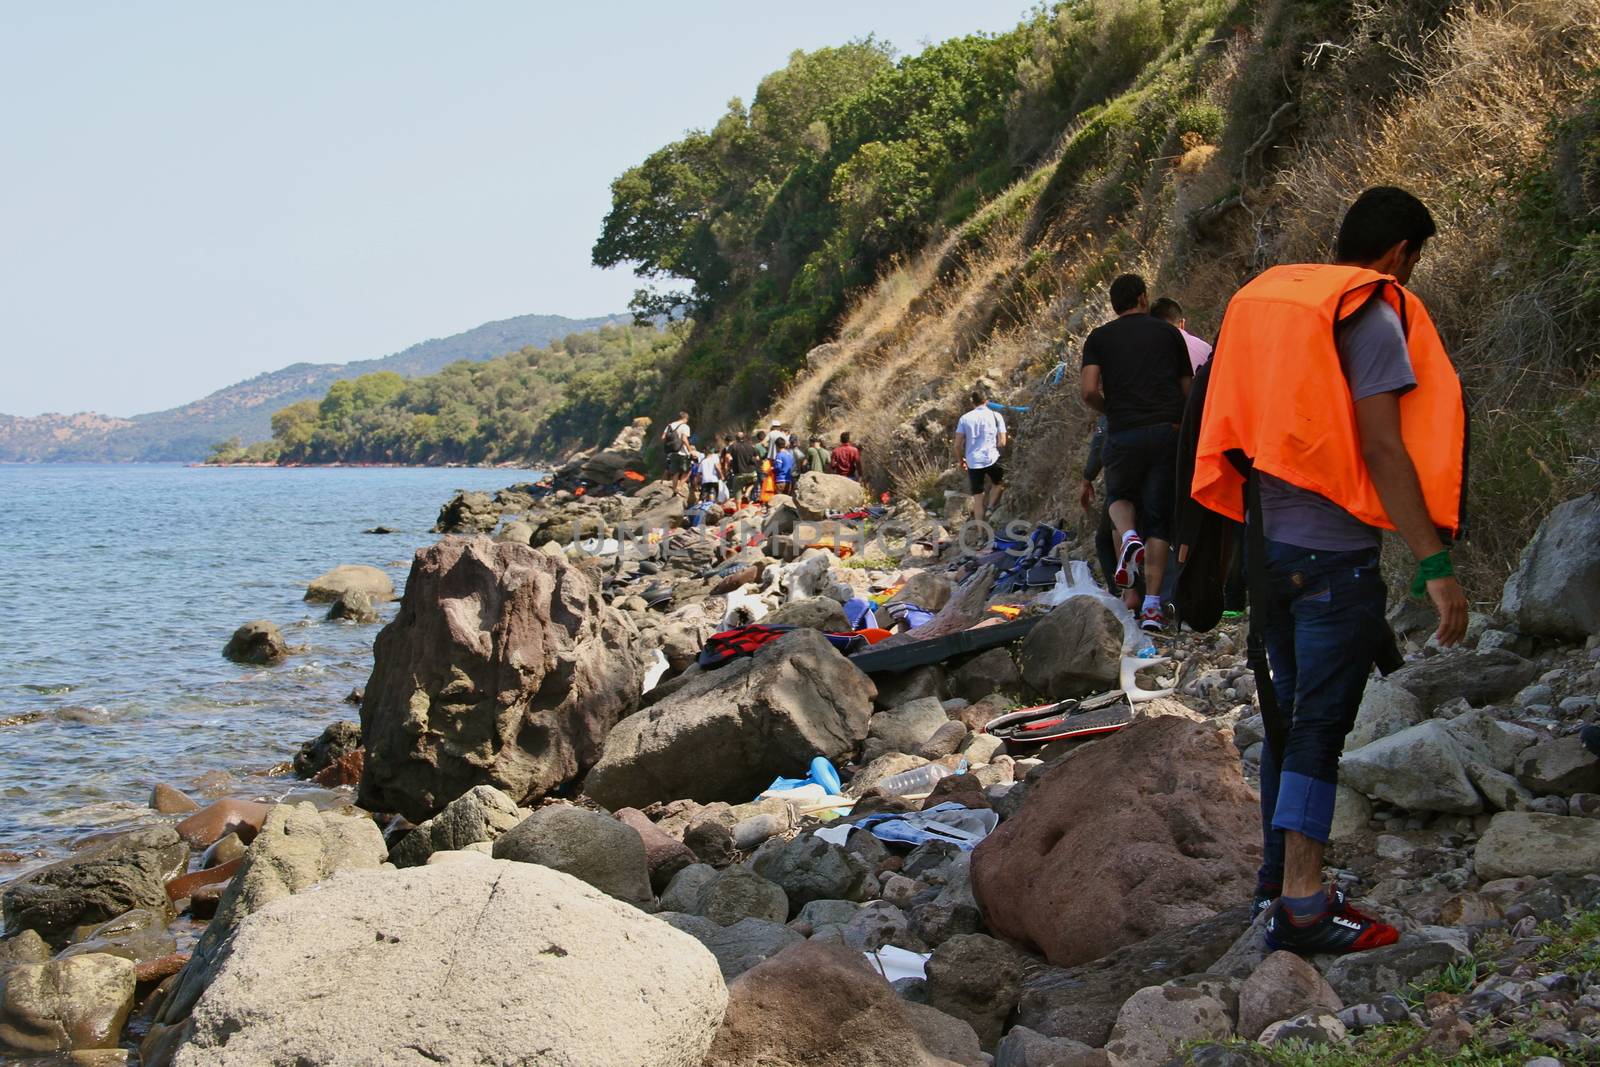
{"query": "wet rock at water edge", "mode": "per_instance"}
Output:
(348, 578)
(353, 606)
(257, 643)
(337, 739)
(76, 1003)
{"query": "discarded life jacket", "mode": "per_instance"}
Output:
(1278, 397)
(729, 645)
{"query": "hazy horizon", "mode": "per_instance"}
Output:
(198, 195)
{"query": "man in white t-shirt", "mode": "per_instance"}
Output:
(980, 435)
(711, 474)
(1170, 310)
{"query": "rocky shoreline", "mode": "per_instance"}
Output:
(555, 837)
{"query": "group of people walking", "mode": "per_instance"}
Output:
(753, 467)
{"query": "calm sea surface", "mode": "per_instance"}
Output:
(119, 586)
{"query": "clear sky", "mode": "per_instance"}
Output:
(194, 193)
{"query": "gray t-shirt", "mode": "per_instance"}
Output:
(1372, 350)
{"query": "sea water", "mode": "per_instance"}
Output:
(119, 585)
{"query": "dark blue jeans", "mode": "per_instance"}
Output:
(1325, 624)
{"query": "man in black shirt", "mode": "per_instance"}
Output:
(1136, 372)
(746, 463)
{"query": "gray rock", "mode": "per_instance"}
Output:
(946, 740)
(1495, 743)
(1556, 587)
(1022, 1047)
(993, 671)
(879, 768)
(591, 847)
(1283, 986)
(594, 979)
(906, 686)
(739, 893)
(683, 891)
(981, 748)
(1421, 768)
(259, 643)
(355, 607)
(727, 735)
(1478, 677)
(738, 947)
(1531, 843)
(946, 1038)
(1310, 1028)
(1560, 765)
(820, 913)
(1074, 651)
(817, 493)
(813, 613)
(76, 1003)
(1388, 1008)
(482, 813)
(809, 868)
(24, 947)
(1157, 1019)
(1386, 708)
(97, 884)
(1503, 792)
(137, 935)
(906, 728)
(976, 978)
(1352, 811)
(1365, 976)
(954, 911)
(878, 923)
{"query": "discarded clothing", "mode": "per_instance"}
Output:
(952, 823)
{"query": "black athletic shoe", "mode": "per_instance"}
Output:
(1335, 932)
(1265, 897)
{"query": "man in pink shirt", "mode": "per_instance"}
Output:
(1169, 309)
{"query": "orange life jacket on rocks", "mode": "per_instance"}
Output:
(1279, 397)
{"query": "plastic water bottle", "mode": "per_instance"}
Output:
(920, 780)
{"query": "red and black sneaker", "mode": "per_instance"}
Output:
(1130, 563)
(1337, 932)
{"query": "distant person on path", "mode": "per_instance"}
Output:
(744, 464)
(980, 435)
(783, 467)
(711, 473)
(675, 443)
(845, 460)
(1169, 310)
(817, 457)
(1331, 383)
(1136, 372)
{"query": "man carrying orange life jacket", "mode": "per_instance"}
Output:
(1332, 383)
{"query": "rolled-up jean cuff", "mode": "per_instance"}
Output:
(1305, 805)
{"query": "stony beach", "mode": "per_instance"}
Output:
(552, 837)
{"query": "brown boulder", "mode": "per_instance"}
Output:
(817, 1003)
(259, 643)
(1074, 651)
(664, 854)
(1146, 830)
(1284, 985)
(215, 821)
(503, 667)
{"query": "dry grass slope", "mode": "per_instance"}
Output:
(1218, 163)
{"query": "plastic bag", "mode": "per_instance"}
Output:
(1075, 580)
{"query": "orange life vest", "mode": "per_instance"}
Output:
(1279, 396)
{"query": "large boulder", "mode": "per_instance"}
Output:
(1283, 986)
(503, 667)
(728, 733)
(814, 613)
(1480, 677)
(816, 495)
(259, 643)
(481, 814)
(1561, 765)
(730, 896)
(79, 1002)
(1556, 587)
(1122, 840)
(296, 848)
(493, 962)
(808, 868)
(592, 847)
(1073, 651)
(1421, 768)
(96, 885)
(1157, 1019)
(978, 979)
(817, 1003)
(1529, 843)
(1386, 708)
(350, 578)
(905, 728)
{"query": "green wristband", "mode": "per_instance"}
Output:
(1437, 565)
